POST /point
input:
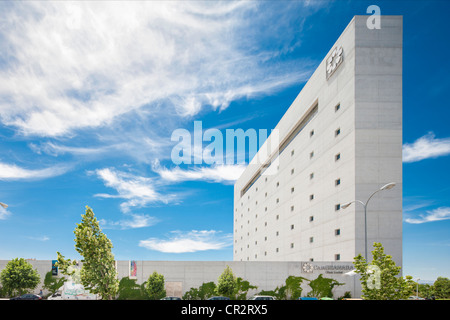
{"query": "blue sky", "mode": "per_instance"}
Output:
(90, 93)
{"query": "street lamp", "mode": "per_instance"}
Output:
(346, 205)
(417, 291)
(3, 205)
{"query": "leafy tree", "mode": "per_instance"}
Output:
(241, 289)
(426, 291)
(442, 288)
(130, 290)
(226, 283)
(205, 291)
(53, 283)
(293, 287)
(290, 290)
(323, 287)
(155, 286)
(98, 272)
(18, 276)
(379, 280)
(192, 294)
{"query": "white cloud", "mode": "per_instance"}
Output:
(136, 221)
(192, 241)
(426, 147)
(138, 191)
(4, 214)
(42, 238)
(218, 173)
(78, 65)
(442, 213)
(14, 172)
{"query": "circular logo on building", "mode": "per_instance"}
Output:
(307, 267)
(334, 60)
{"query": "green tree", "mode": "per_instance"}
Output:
(442, 288)
(155, 286)
(205, 291)
(323, 287)
(130, 290)
(241, 289)
(380, 280)
(191, 294)
(226, 284)
(293, 287)
(53, 283)
(18, 276)
(290, 290)
(98, 273)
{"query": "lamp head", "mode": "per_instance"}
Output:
(388, 186)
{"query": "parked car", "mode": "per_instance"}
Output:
(27, 296)
(55, 296)
(307, 298)
(219, 298)
(171, 298)
(262, 298)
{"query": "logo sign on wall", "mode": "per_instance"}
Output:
(334, 61)
(309, 267)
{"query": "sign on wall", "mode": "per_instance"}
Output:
(133, 270)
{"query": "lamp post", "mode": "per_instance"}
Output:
(417, 291)
(346, 205)
(3, 205)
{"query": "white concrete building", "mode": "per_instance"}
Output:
(340, 140)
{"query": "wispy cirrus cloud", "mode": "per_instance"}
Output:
(192, 241)
(4, 213)
(219, 173)
(135, 221)
(439, 214)
(71, 66)
(138, 191)
(14, 172)
(426, 147)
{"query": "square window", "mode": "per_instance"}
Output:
(337, 132)
(311, 218)
(337, 207)
(292, 208)
(311, 155)
(337, 182)
(337, 157)
(337, 107)
(311, 197)
(278, 216)
(266, 194)
(292, 245)
(292, 152)
(278, 200)
(311, 133)
(292, 190)
(337, 232)
(278, 184)
(311, 176)
(265, 209)
(311, 259)
(277, 250)
(277, 234)
(292, 227)
(292, 171)
(311, 239)
(337, 257)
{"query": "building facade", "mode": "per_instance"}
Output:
(339, 141)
